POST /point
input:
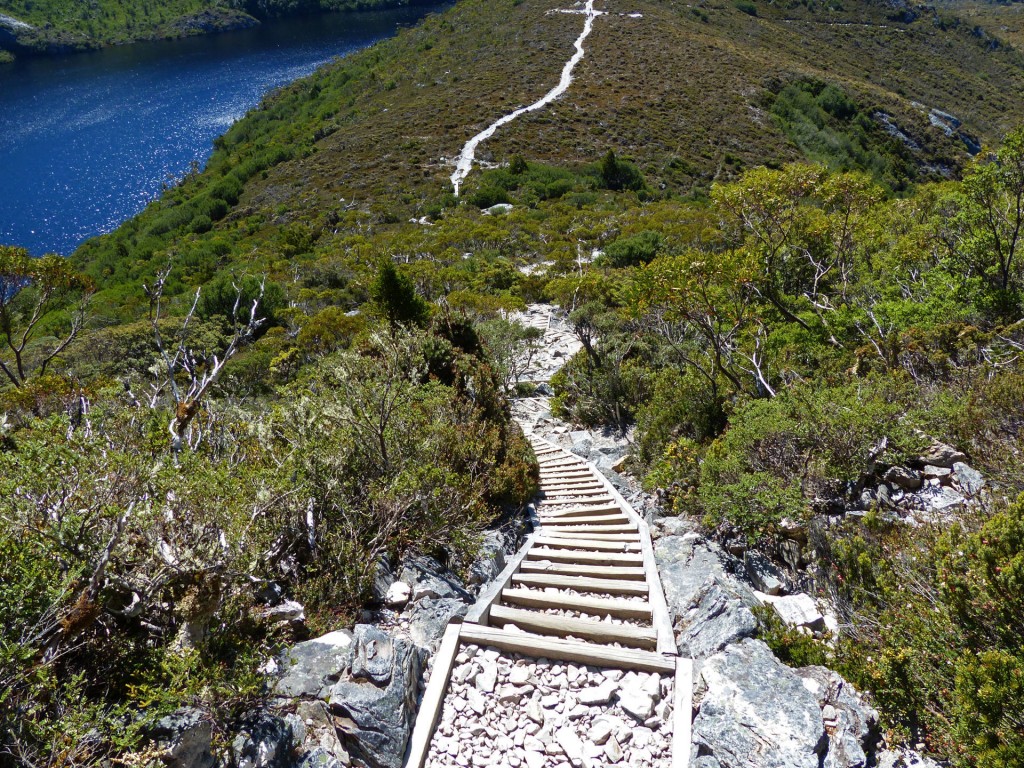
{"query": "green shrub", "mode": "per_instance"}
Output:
(746, 6)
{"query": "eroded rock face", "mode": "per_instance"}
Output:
(757, 713)
(267, 741)
(852, 725)
(377, 706)
(428, 619)
(491, 560)
(429, 579)
(710, 607)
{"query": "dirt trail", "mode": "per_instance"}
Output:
(468, 154)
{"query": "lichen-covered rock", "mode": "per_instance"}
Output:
(714, 619)
(490, 561)
(851, 724)
(429, 579)
(265, 740)
(757, 713)
(763, 573)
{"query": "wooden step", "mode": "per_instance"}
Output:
(629, 538)
(585, 543)
(575, 569)
(585, 629)
(584, 556)
(580, 511)
(590, 503)
(584, 485)
(615, 522)
(557, 463)
(569, 528)
(582, 493)
(538, 646)
(608, 606)
(581, 583)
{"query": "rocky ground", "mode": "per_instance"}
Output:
(514, 711)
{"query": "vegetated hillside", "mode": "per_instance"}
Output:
(786, 340)
(55, 26)
(692, 94)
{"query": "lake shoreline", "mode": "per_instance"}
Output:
(21, 41)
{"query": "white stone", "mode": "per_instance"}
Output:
(599, 694)
(571, 745)
(398, 594)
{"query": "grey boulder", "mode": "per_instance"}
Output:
(428, 578)
(757, 713)
(851, 724)
(941, 455)
(266, 741)
(490, 561)
(428, 619)
(186, 736)
(714, 619)
(905, 478)
(763, 573)
(970, 480)
(377, 706)
(310, 668)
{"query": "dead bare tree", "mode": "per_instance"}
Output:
(199, 369)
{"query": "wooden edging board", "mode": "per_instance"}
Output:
(477, 614)
(585, 629)
(433, 697)
(682, 709)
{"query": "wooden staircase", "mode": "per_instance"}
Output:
(583, 588)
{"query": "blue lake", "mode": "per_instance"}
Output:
(87, 140)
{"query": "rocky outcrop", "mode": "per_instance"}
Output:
(265, 740)
(755, 712)
(710, 607)
(851, 724)
(309, 669)
(377, 704)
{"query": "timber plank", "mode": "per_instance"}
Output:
(585, 543)
(433, 697)
(583, 556)
(598, 520)
(581, 511)
(629, 538)
(478, 611)
(575, 569)
(537, 646)
(682, 714)
(566, 529)
(610, 606)
(581, 583)
(586, 629)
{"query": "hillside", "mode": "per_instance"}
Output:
(785, 245)
(62, 26)
(689, 94)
